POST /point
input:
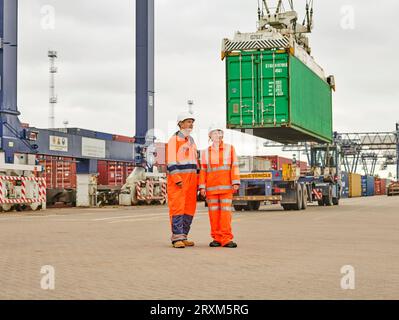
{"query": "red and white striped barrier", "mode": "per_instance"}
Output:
(150, 189)
(318, 194)
(23, 199)
(164, 189)
(138, 191)
(149, 186)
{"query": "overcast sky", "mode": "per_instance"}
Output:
(96, 44)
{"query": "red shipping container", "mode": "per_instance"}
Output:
(129, 169)
(60, 172)
(161, 153)
(380, 186)
(377, 187)
(126, 139)
(277, 162)
(102, 168)
(383, 186)
(162, 168)
(113, 173)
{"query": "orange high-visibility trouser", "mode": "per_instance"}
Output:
(182, 205)
(220, 207)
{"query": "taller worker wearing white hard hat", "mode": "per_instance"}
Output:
(182, 173)
(219, 179)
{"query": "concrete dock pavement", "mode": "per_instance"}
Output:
(125, 253)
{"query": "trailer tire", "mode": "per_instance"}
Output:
(6, 207)
(336, 201)
(254, 205)
(320, 203)
(287, 207)
(304, 197)
(299, 198)
(238, 207)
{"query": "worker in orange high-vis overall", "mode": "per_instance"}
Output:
(219, 179)
(182, 175)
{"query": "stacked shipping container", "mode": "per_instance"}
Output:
(367, 186)
(60, 172)
(355, 185)
(380, 186)
(345, 184)
(113, 173)
(277, 162)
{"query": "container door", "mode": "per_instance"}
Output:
(242, 89)
(273, 89)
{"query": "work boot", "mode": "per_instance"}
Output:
(179, 245)
(188, 243)
(215, 244)
(231, 244)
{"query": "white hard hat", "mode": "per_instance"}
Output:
(184, 116)
(214, 127)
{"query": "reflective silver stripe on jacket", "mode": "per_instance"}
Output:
(214, 208)
(182, 171)
(219, 188)
(227, 209)
(226, 201)
(236, 182)
(212, 201)
(222, 168)
(201, 186)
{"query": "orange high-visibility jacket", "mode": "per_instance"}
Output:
(219, 169)
(182, 157)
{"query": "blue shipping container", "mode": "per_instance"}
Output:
(104, 136)
(82, 132)
(368, 186)
(345, 185)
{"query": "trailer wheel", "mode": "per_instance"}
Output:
(254, 205)
(299, 198)
(287, 207)
(336, 201)
(304, 197)
(320, 203)
(34, 206)
(6, 207)
(238, 207)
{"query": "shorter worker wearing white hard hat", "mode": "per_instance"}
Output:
(219, 180)
(182, 176)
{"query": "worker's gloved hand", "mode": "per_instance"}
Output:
(236, 187)
(203, 193)
(180, 184)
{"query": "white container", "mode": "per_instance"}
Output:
(253, 164)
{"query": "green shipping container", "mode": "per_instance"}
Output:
(278, 97)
